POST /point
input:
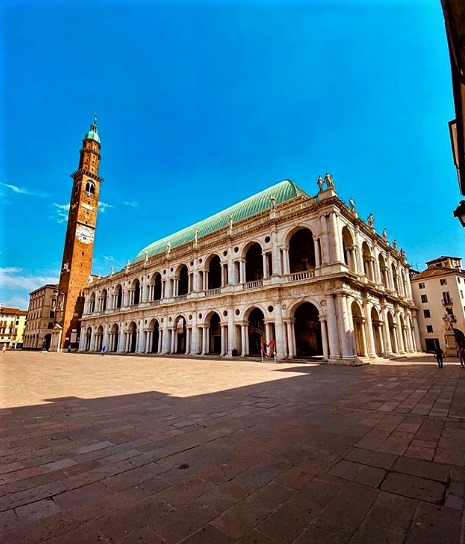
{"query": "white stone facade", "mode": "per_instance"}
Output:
(323, 284)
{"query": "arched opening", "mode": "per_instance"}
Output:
(180, 346)
(103, 300)
(402, 332)
(90, 188)
(348, 249)
(155, 336)
(301, 251)
(119, 296)
(214, 273)
(376, 327)
(155, 287)
(114, 338)
(357, 319)
(132, 337)
(383, 271)
(183, 285)
(136, 292)
(256, 331)
(253, 263)
(367, 261)
(88, 339)
(307, 330)
(215, 334)
(46, 341)
(99, 339)
(392, 332)
(92, 303)
(394, 278)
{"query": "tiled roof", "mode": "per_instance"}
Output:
(12, 311)
(436, 271)
(283, 191)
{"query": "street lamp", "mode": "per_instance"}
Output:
(459, 212)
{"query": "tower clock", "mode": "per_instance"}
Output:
(79, 242)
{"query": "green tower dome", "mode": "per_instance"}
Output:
(92, 134)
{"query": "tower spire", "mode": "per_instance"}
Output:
(92, 134)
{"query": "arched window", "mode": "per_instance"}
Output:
(90, 188)
(301, 251)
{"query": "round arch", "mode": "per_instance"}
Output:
(114, 338)
(307, 330)
(154, 336)
(359, 333)
(301, 250)
(253, 262)
(179, 332)
(256, 321)
(131, 337)
(376, 328)
(213, 271)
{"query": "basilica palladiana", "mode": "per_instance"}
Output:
(282, 274)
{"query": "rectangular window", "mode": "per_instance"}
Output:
(461, 294)
(458, 279)
(446, 297)
(421, 285)
(443, 282)
(426, 313)
(429, 328)
(424, 298)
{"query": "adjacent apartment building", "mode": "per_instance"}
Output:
(12, 322)
(439, 293)
(40, 317)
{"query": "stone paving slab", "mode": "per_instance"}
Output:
(127, 449)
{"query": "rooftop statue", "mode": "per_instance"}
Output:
(371, 220)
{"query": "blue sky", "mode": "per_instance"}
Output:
(202, 104)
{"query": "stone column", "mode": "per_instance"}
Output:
(231, 344)
(243, 338)
(324, 336)
(317, 253)
(275, 253)
(325, 244)
(242, 274)
(290, 338)
(285, 251)
(336, 238)
(278, 328)
(386, 335)
(332, 322)
(206, 339)
(141, 337)
(369, 332)
(345, 330)
(230, 266)
(265, 265)
(165, 339)
(358, 251)
(224, 339)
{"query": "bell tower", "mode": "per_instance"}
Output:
(76, 265)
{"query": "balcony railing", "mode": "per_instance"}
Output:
(253, 284)
(447, 302)
(297, 276)
(212, 292)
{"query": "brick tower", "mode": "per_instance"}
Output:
(79, 243)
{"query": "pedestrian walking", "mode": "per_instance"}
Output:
(439, 354)
(3, 348)
(104, 350)
(461, 355)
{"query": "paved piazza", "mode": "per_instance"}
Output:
(138, 450)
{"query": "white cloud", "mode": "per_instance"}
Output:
(61, 211)
(17, 278)
(21, 190)
(102, 206)
(132, 204)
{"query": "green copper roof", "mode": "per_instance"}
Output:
(282, 192)
(92, 134)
